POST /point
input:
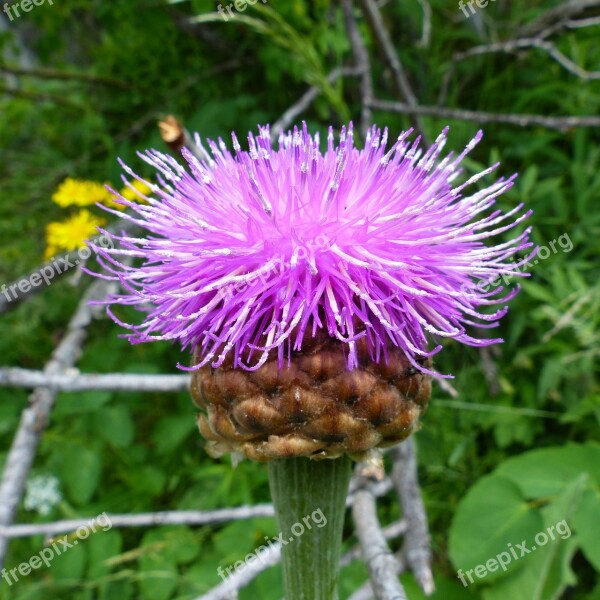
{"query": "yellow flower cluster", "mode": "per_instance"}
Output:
(72, 233)
(76, 192)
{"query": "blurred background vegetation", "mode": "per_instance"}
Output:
(83, 82)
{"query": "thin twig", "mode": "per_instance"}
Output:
(153, 519)
(365, 591)
(363, 64)
(490, 370)
(564, 11)
(382, 565)
(390, 532)
(417, 546)
(34, 418)
(524, 44)
(399, 77)
(426, 34)
(562, 123)
(73, 381)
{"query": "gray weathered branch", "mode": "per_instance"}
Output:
(72, 380)
(559, 123)
(390, 54)
(363, 64)
(382, 565)
(417, 546)
(172, 517)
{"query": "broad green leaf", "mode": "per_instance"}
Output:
(586, 522)
(123, 590)
(157, 577)
(82, 402)
(546, 570)
(102, 545)
(175, 544)
(172, 431)
(70, 563)
(115, 426)
(80, 470)
(493, 514)
(545, 472)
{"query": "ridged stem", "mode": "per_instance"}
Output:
(309, 498)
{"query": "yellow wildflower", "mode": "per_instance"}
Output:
(78, 192)
(72, 233)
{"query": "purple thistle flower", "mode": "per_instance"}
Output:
(252, 253)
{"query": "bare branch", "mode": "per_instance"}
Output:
(390, 532)
(242, 577)
(401, 83)
(382, 565)
(417, 549)
(490, 370)
(524, 44)
(73, 381)
(172, 517)
(564, 11)
(426, 35)
(363, 64)
(559, 123)
(580, 23)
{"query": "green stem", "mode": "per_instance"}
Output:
(309, 498)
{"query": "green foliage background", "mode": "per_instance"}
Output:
(495, 468)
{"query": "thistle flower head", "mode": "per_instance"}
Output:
(252, 253)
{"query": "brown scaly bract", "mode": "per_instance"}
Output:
(314, 407)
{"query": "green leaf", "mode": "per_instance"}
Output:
(176, 544)
(70, 563)
(170, 432)
(102, 546)
(493, 514)
(158, 578)
(115, 426)
(546, 570)
(82, 402)
(586, 521)
(545, 472)
(80, 470)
